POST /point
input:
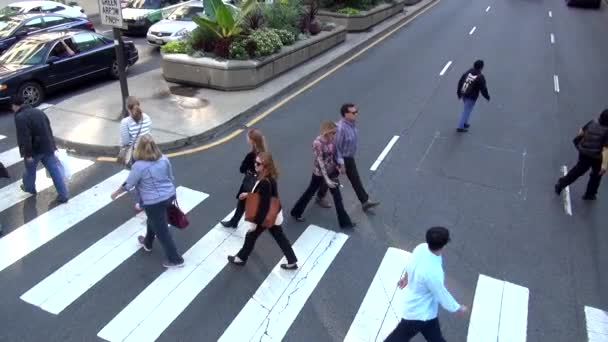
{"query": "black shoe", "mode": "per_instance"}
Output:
(370, 204)
(349, 226)
(298, 218)
(232, 260)
(289, 267)
(23, 189)
(59, 200)
(461, 130)
(558, 189)
(467, 125)
(589, 198)
(228, 224)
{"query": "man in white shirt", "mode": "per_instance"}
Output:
(425, 290)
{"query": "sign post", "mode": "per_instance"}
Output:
(111, 15)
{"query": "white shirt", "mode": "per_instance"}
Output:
(129, 129)
(425, 289)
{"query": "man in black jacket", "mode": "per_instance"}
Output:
(36, 144)
(470, 84)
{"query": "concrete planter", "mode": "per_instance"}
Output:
(365, 19)
(241, 75)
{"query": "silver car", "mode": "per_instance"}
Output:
(177, 24)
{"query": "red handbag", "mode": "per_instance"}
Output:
(176, 216)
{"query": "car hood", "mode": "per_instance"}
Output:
(172, 26)
(10, 70)
(134, 13)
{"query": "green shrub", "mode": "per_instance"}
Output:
(348, 11)
(238, 50)
(287, 37)
(177, 46)
(267, 42)
(283, 15)
(201, 39)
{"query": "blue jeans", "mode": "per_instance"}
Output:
(157, 227)
(52, 164)
(466, 111)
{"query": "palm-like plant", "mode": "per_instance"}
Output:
(222, 20)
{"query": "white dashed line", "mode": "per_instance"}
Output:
(386, 150)
(550, 14)
(445, 68)
(2, 137)
(488, 9)
(472, 30)
(567, 204)
(552, 39)
(556, 83)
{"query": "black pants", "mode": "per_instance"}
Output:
(279, 237)
(238, 213)
(315, 184)
(353, 177)
(582, 166)
(406, 330)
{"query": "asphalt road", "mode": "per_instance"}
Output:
(492, 186)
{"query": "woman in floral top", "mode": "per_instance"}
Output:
(324, 170)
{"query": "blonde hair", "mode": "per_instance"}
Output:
(270, 168)
(146, 149)
(327, 127)
(134, 109)
(258, 142)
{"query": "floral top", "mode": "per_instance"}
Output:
(325, 157)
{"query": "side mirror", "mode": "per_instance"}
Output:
(21, 34)
(51, 60)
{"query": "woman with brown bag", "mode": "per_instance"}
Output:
(263, 211)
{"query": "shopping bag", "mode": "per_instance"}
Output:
(176, 216)
(65, 163)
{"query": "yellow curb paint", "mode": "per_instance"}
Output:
(293, 95)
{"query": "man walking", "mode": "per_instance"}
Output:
(346, 146)
(36, 144)
(470, 84)
(424, 290)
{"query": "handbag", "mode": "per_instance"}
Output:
(274, 215)
(176, 216)
(125, 155)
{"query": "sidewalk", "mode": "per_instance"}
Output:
(89, 124)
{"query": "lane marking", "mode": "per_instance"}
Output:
(566, 191)
(10, 157)
(428, 149)
(445, 68)
(472, 30)
(2, 136)
(44, 106)
(155, 308)
(269, 314)
(488, 9)
(377, 315)
(556, 83)
(64, 286)
(597, 324)
(12, 193)
(552, 39)
(500, 311)
(550, 14)
(32, 235)
(384, 153)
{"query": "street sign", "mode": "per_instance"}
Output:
(111, 13)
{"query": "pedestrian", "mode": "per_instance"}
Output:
(346, 147)
(257, 143)
(592, 145)
(424, 288)
(133, 126)
(3, 174)
(470, 85)
(37, 144)
(325, 171)
(266, 188)
(152, 177)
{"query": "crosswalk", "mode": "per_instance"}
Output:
(499, 311)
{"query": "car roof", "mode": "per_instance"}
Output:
(38, 15)
(54, 35)
(31, 4)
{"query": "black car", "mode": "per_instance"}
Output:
(16, 27)
(50, 61)
(584, 3)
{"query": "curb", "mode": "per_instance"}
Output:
(239, 120)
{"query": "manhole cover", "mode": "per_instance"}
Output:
(192, 102)
(183, 91)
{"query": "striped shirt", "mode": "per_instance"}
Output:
(346, 140)
(129, 129)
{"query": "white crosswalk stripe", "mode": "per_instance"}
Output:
(10, 157)
(597, 324)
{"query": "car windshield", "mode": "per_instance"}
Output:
(185, 13)
(8, 26)
(144, 4)
(28, 52)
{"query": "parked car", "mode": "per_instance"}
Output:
(16, 27)
(49, 61)
(584, 3)
(139, 15)
(25, 7)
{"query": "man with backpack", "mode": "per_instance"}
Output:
(470, 84)
(592, 145)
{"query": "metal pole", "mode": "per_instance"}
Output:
(122, 75)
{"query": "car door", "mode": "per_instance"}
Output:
(95, 53)
(65, 69)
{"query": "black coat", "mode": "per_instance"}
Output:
(34, 133)
(248, 169)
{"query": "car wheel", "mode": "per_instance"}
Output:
(31, 93)
(114, 70)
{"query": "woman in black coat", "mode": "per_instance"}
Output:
(256, 140)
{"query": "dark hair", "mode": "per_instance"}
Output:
(17, 101)
(478, 64)
(604, 118)
(345, 108)
(437, 238)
